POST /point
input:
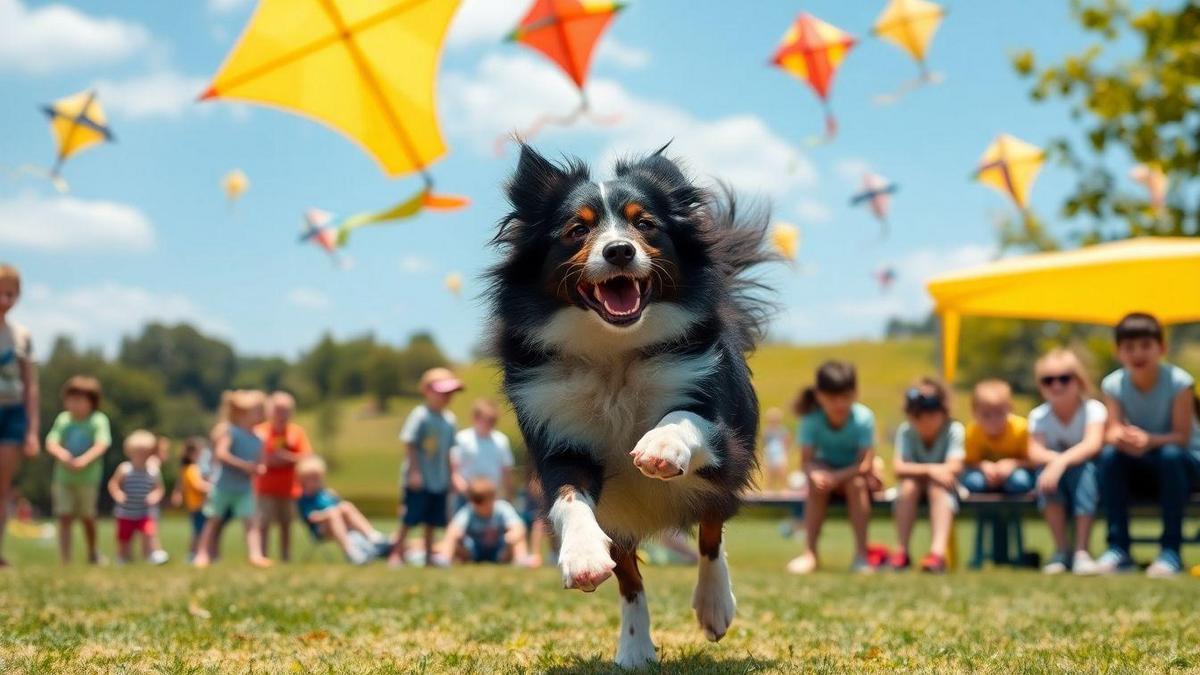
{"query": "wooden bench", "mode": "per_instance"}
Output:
(999, 521)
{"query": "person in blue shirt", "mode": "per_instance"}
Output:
(1152, 443)
(485, 530)
(330, 517)
(837, 441)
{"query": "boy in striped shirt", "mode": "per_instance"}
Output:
(136, 488)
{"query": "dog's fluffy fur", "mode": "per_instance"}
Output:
(622, 315)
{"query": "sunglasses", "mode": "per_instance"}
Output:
(916, 400)
(1050, 380)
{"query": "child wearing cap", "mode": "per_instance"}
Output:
(428, 435)
(77, 441)
(19, 420)
(928, 457)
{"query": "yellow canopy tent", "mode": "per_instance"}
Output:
(1098, 284)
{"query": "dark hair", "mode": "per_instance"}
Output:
(1138, 325)
(926, 395)
(194, 444)
(832, 377)
(85, 386)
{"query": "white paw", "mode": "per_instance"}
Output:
(635, 651)
(585, 561)
(713, 601)
(662, 453)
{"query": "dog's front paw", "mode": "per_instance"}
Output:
(713, 600)
(662, 453)
(585, 560)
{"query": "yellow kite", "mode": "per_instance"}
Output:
(785, 239)
(454, 283)
(235, 183)
(1010, 165)
(366, 69)
(77, 122)
(910, 25)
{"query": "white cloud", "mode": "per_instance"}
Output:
(851, 169)
(68, 223)
(621, 54)
(101, 313)
(227, 6)
(164, 93)
(481, 21)
(507, 93)
(53, 38)
(308, 298)
(412, 264)
(813, 211)
(907, 297)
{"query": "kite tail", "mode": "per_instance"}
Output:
(831, 129)
(924, 77)
(582, 111)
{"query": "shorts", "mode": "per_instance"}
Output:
(78, 501)
(197, 519)
(422, 507)
(13, 424)
(235, 504)
(484, 554)
(1078, 490)
(126, 527)
(272, 509)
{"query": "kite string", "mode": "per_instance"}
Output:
(582, 111)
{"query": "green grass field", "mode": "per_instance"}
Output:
(325, 616)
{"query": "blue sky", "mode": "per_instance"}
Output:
(145, 232)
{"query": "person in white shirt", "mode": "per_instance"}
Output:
(482, 452)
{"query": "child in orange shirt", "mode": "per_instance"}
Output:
(997, 443)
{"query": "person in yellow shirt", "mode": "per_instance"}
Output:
(997, 443)
(194, 489)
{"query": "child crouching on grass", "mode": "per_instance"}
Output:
(486, 530)
(238, 455)
(997, 443)
(136, 488)
(329, 517)
(837, 438)
(1066, 434)
(77, 441)
(928, 458)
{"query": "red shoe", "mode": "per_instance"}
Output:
(877, 555)
(934, 564)
(899, 561)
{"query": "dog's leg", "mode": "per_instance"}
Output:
(583, 556)
(713, 599)
(678, 445)
(634, 648)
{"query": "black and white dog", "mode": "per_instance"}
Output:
(622, 317)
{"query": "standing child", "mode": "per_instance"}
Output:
(137, 488)
(193, 490)
(1066, 434)
(428, 435)
(997, 443)
(77, 441)
(837, 438)
(928, 458)
(238, 455)
(19, 421)
(482, 451)
(284, 444)
(1152, 443)
(776, 445)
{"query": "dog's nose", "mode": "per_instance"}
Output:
(619, 253)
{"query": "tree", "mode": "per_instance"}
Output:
(189, 361)
(1140, 109)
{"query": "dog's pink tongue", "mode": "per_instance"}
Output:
(620, 295)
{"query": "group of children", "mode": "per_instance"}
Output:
(1073, 451)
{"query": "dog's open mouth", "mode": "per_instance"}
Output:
(618, 300)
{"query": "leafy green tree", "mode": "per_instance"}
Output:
(1140, 107)
(189, 361)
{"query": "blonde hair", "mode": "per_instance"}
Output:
(310, 466)
(991, 391)
(485, 406)
(237, 401)
(140, 440)
(1073, 363)
(10, 273)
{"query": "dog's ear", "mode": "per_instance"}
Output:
(538, 184)
(663, 175)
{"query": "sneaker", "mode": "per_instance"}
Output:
(159, 557)
(899, 561)
(361, 543)
(934, 564)
(1168, 564)
(805, 563)
(1114, 561)
(1083, 564)
(357, 556)
(1057, 565)
(861, 566)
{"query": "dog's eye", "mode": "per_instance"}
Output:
(645, 224)
(578, 232)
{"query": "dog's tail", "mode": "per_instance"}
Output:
(738, 245)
